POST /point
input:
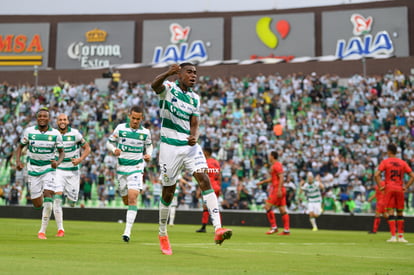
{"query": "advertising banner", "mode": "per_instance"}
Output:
(266, 36)
(365, 32)
(86, 45)
(24, 46)
(182, 40)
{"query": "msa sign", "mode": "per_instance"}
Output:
(23, 46)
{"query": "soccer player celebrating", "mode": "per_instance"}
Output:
(312, 189)
(42, 141)
(180, 111)
(132, 144)
(277, 196)
(215, 180)
(379, 207)
(394, 169)
(68, 173)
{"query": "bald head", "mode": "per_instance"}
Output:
(62, 123)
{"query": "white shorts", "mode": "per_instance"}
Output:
(173, 159)
(39, 183)
(314, 207)
(68, 182)
(133, 181)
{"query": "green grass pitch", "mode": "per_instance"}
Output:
(97, 248)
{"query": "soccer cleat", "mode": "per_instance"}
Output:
(60, 233)
(393, 239)
(272, 231)
(315, 229)
(222, 234)
(41, 235)
(402, 240)
(125, 238)
(201, 230)
(165, 245)
(284, 233)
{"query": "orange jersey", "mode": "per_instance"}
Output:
(379, 195)
(277, 168)
(214, 173)
(394, 169)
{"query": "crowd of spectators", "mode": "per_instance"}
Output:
(334, 127)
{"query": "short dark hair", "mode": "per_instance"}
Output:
(182, 65)
(136, 109)
(392, 148)
(43, 109)
(208, 150)
(274, 154)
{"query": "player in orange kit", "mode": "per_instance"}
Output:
(394, 169)
(277, 196)
(215, 181)
(379, 208)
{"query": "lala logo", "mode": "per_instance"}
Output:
(361, 25)
(180, 50)
(178, 33)
(364, 43)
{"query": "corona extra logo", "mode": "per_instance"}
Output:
(96, 35)
(267, 36)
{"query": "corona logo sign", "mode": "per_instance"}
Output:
(268, 37)
(180, 50)
(94, 53)
(96, 35)
(363, 43)
(21, 50)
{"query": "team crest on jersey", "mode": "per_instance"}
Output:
(141, 137)
(49, 138)
(191, 101)
(69, 138)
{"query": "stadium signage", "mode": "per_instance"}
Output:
(180, 50)
(363, 43)
(270, 38)
(20, 45)
(94, 53)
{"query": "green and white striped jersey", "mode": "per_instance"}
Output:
(176, 109)
(72, 141)
(312, 191)
(41, 149)
(132, 143)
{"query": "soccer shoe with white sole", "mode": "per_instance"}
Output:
(392, 240)
(41, 236)
(402, 240)
(272, 231)
(222, 234)
(125, 238)
(165, 245)
(60, 233)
